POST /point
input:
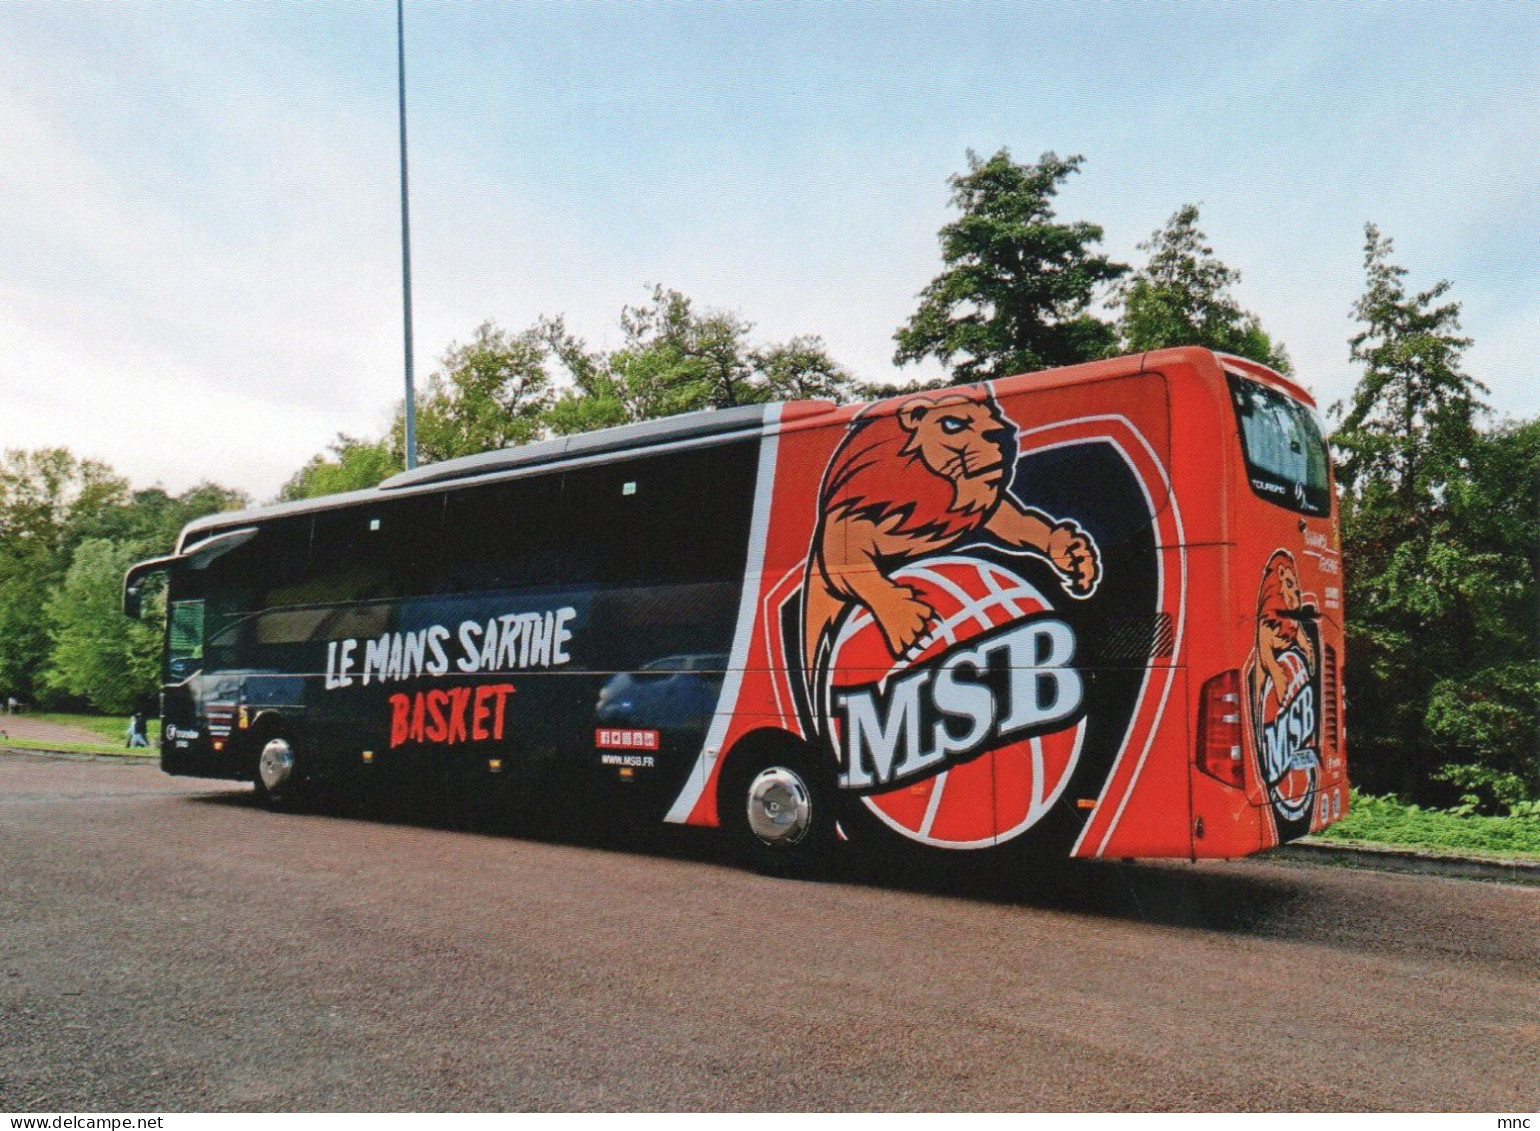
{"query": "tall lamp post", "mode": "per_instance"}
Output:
(406, 245)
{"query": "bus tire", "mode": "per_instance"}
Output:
(277, 775)
(777, 808)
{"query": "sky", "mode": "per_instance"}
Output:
(199, 202)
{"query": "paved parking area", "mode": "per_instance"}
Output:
(165, 944)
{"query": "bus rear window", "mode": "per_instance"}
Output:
(1285, 454)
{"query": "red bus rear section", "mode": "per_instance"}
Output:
(1098, 608)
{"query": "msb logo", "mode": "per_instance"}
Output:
(944, 684)
(971, 736)
(1284, 686)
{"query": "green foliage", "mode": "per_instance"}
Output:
(1385, 820)
(52, 506)
(97, 653)
(1439, 543)
(1018, 286)
(501, 389)
(1496, 501)
(1486, 722)
(876, 391)
(352, 465)
(151, 519)
(491, 392)
(1412, 417)
(800, 369)
(676, 358)
(1181, 297)
(505, 389)
(46, 498)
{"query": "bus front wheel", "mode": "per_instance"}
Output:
(778, 811)
(277, 773)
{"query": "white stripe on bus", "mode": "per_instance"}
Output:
(732, 682)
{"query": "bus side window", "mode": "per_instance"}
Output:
(381, 549)
(677, 518)
(252, 576)
(184, 640)
(244, 581)
(502, 536)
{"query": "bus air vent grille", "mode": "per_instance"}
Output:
(1130, 640)
(1329, 708)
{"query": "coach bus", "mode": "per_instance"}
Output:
(1095, 611)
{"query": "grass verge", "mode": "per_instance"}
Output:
(112, 728)
(1390, 823)
(115, 749)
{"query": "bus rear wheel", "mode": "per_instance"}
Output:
(778, 811)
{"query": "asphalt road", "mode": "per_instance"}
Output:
(165, 944)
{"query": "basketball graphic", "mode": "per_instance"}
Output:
(970, 737)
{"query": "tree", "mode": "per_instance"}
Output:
(149, 519)
(502, 389)
(166, 519)
(801, 369)
(96, 652)
(1485, 716)
(52, 504)
(1412, 417)
(882, 390)
(1181, 297)
(43, 495)
(352, 465)
(1018, 287)
(491, 392)
(675, 358)
(1425, 589)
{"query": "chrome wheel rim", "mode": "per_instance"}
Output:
(780, 807)
(276, 765)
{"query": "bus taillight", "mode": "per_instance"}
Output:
(1219, 729)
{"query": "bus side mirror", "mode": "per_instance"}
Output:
(196, 557)
(133, 584)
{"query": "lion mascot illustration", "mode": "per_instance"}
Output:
(911, 478)
(1285, 655)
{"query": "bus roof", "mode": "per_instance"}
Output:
(628, 437)
(727, 423)
(723, 424)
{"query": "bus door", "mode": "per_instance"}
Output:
(207, 592)
(184, 741)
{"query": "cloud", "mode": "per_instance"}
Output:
(136, 333)
(199, 244)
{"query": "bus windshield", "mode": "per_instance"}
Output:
(1286, 458)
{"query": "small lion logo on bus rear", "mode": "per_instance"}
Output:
(1285, 695)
